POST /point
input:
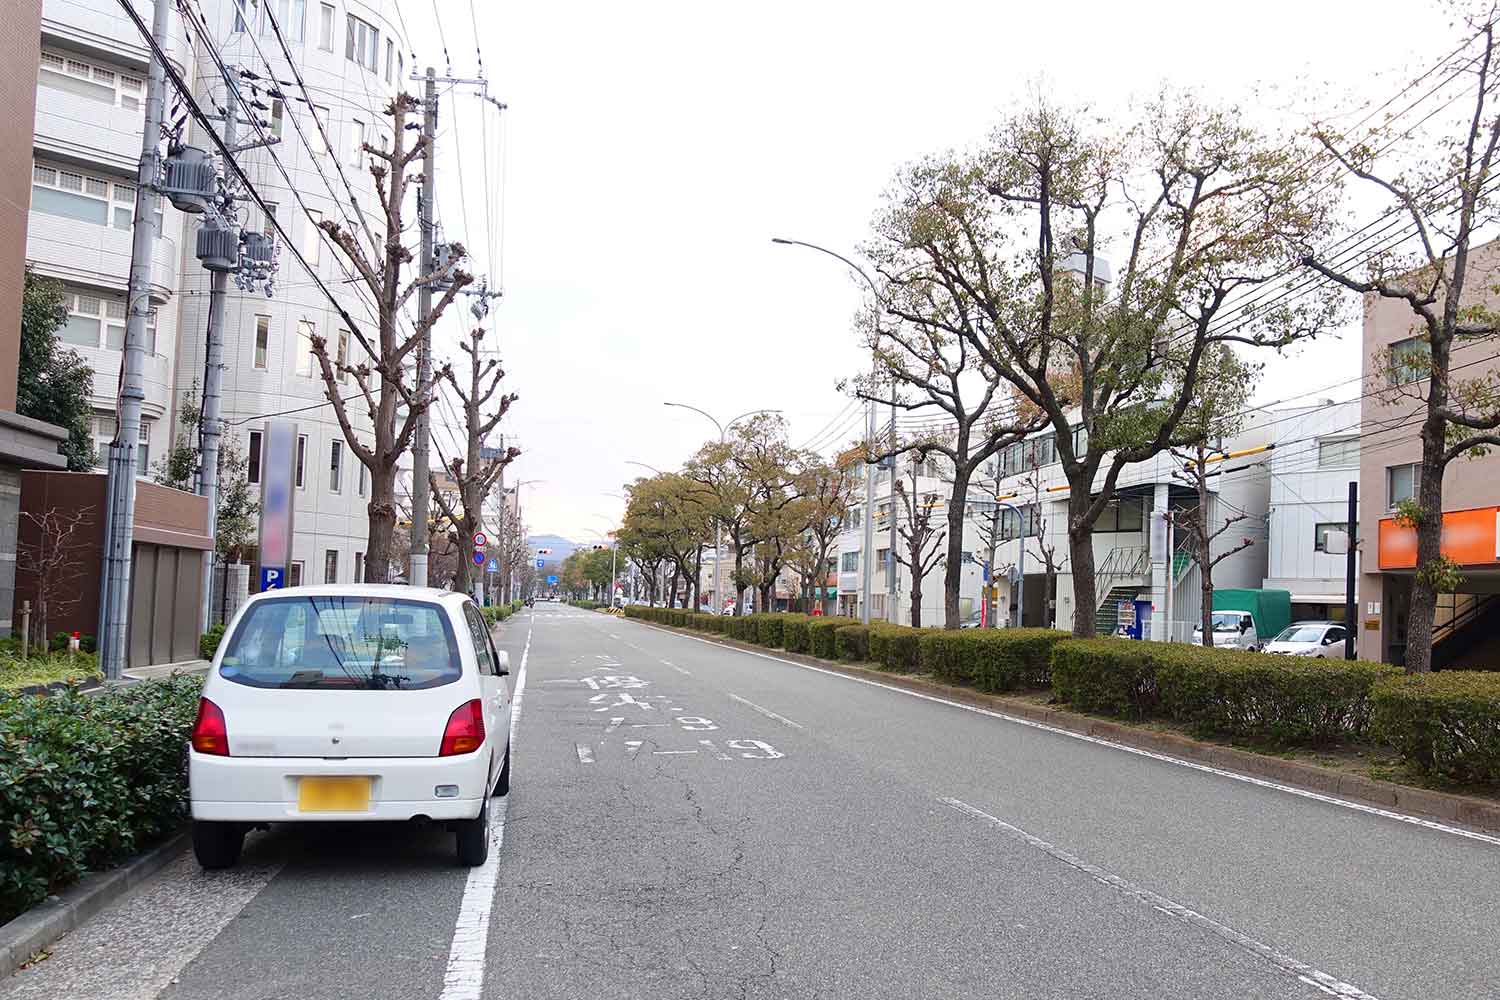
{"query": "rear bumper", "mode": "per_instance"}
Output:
(265, 789)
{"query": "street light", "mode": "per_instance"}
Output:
(614, 548)
(718, 528)
(869, 540)
(645, 466)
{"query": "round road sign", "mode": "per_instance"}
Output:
(480, 539)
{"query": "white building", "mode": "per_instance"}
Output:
(349, 54)
(1316, 458)
(90, 109)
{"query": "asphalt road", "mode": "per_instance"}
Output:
(692, 821)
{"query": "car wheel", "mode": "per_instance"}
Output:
(502, 783)
(473, 837)
(217, 845)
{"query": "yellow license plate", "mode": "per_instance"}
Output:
(333, 795)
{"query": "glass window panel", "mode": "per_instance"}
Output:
(69, 181)
(80, 330)
(53, 61)
(301, 459)
(325, 27)
(94, 186)
(103, 76)
(252, 470)
(44, 175)
(114, 337)
(78, 68)
(124, 218)
(114, 309)
(88, 304)
(68, 205)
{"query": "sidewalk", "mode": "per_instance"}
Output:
(167, 669)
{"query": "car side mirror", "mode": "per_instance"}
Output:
(502, 662)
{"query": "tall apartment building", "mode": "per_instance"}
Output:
(1467, 623)
(350, 55)
(90, 109)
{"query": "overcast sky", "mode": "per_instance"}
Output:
(653, 149)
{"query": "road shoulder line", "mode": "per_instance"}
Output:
(1353, 792)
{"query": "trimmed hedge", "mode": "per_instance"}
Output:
(768, 629)
(821, 635)
(795, 634)
(1288, 699)
(1012, 659)
(852, 642)
(894, 647)
(1446, 724)
(88, 780)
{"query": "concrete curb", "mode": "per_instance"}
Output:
(1480, 814)
(40, 927)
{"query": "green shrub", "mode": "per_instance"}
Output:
(1110, 676)
(1287, 699)
(208, 642)
(1446, 724)
(894, 647)
(795, 637)
(1013, 659)
(821, 633)
(88, 780)
(41, 669)
(768, 629)
(852, 642)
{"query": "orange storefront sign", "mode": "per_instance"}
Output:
(1470, 538)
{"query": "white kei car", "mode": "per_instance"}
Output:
(1324, 640)
(351, 702)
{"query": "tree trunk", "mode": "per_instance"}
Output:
(1429, 547)
(953, 572)
(1205, 554)
(991, 605)
(695, 588)
(382, 515)
(1049, 597)
(1081, 554)
(916, 597)
(672, 593)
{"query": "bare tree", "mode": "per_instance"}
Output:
(1440, 182)
(383, 379)
(53, 559)
(826, 489)
(923, 538)
(473, 473)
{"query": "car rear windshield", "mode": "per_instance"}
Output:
(330, 642)
(1302, 633)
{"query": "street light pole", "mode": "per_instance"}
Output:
(869, 540)
(718, 528)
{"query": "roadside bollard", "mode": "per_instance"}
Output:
(73, 644)
(25, 629)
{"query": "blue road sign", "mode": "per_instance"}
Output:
(494, 566)
(551, 581)
(479, 559)
(272, 578)
(540, 563)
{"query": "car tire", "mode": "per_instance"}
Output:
(502, 783)
(473, 837)
(217, 845)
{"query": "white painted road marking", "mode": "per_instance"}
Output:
(766, 712)
(1430, 824)
(464, 977)
(1322, 980)
(585, 754)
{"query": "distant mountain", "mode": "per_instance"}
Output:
(560, 546)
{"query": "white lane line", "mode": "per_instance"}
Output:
(766, 712)
(678, 669)
(1429, 824)
(464, 977)
(585, 754)
(1322, 980)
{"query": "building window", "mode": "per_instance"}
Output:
(312, 241)
(331, 566)
(96, 320)
(246, 14)
(325, 27)
(1122, 515)
(307, 362)
(85, 197)
(1401, 482)
(1338, 453)
(289, 16)
(1011, 521)
(363, 482)
(93, 80)
(262, 341)
(143, 450)
(849, 562)
(252, 461)
(357, 143)
(390, 59)
(301, 460)
(359, 567)
(294, 574)
(336, 466)
(343, 356)
(362, 43)
(1322, 530)
(1410, 359)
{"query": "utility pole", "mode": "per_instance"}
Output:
(114, 611)
(893, 567)
(1351, 607)
(869, 546)
(422, 441)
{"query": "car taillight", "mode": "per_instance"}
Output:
(465, 730)
(210, 735)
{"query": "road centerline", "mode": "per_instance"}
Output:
(1329, 984)
(766, 712)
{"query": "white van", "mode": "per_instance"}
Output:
(351, 702)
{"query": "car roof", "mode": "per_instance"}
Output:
(391, 591)
(1302, 624)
